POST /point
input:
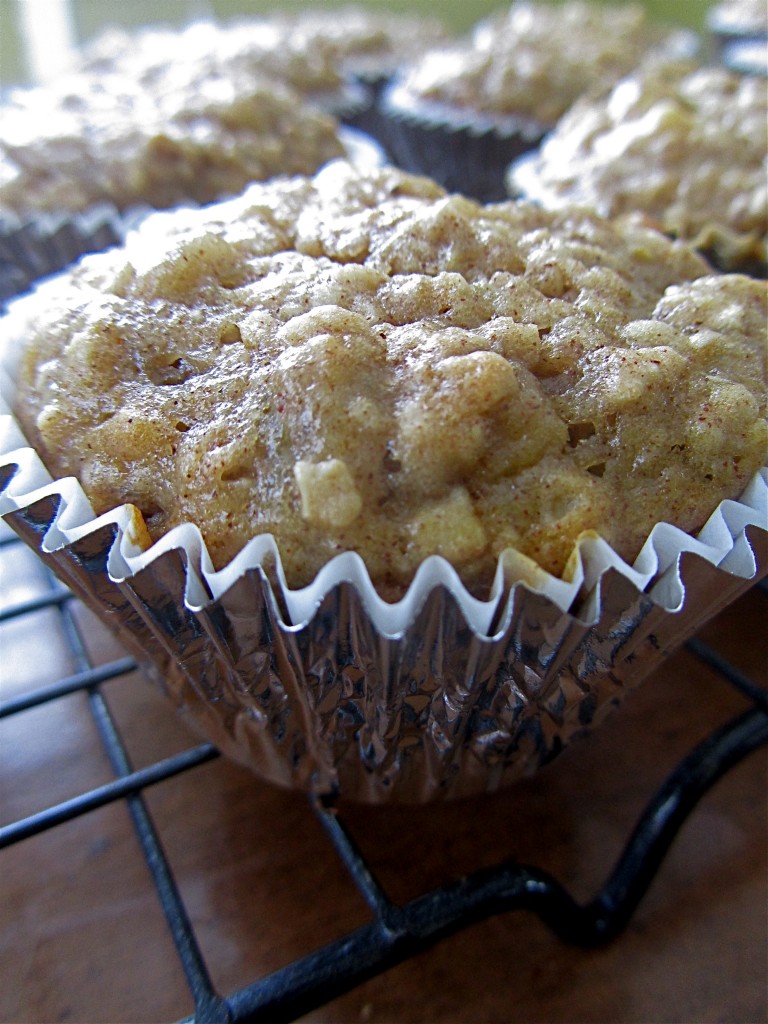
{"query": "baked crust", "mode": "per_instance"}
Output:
(131, 127)
(685, 145)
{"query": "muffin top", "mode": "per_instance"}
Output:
(534, 60)
(360, 40)
(686, 146)
(94, 138)
(358, 361)
(186, 58)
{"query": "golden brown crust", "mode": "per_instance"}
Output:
(686, 146)
(533, 60)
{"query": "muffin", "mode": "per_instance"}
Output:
(132, 128)
(462, 112)
(684, 145)
(271, 49)
(366, 46)
(337, 390)
(369, 45)
(92, 139)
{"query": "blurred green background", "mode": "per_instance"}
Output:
(87, 17)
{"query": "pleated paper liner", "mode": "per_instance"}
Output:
(332, 690)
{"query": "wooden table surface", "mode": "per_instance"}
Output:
(83, 939)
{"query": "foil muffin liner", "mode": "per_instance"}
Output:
(367, 116)
(463, 152)
(32, 248)
(332, 690)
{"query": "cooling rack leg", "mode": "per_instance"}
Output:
(611, 910)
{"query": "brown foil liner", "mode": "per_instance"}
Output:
(330, 690)
(462, 152)
(367, 116)
(34, 247)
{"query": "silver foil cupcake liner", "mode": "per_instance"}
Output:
(463, 152)
(332, 690)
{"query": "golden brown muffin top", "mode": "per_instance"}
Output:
(133, 127)
(361, 362)
(686, 146)
(535, 59)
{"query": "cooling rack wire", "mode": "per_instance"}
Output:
(395, 930)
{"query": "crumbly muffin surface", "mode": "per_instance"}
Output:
(196, 129)
(534, 60)
(359, 39)
(242, 49)
(687, 146)
(361, 362)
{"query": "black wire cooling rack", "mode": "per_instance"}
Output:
(396, 931)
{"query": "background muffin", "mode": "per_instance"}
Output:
(461, 112)
(85, 142)
(246, 49)
(685, 146)
(135, 128)
(730, 21)
(367, 44)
